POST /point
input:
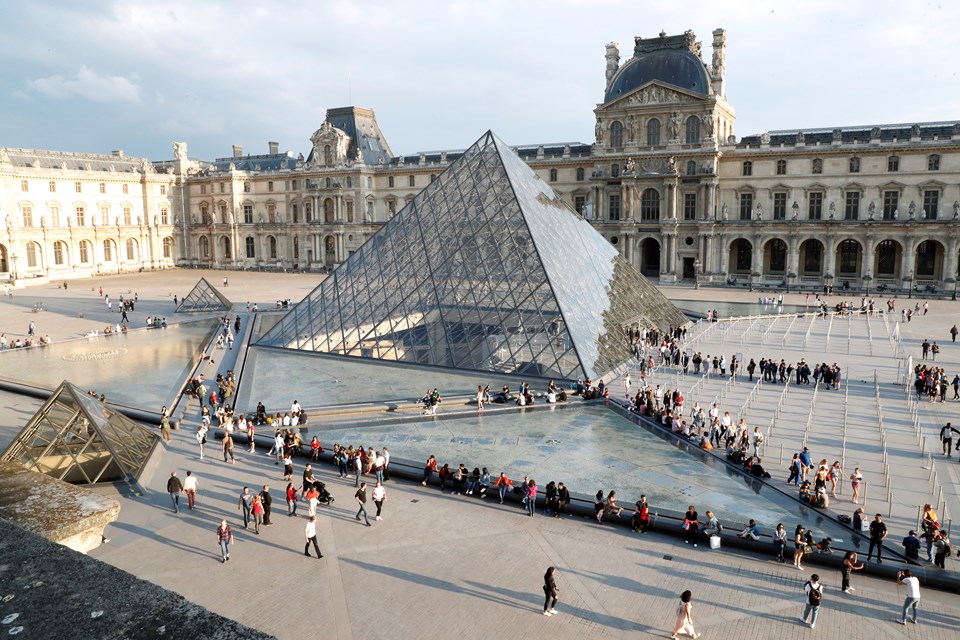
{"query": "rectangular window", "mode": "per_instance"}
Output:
(349, 204)
(271, 212)
(248, 213)
(81, 216)
(781, 167)
(223, 187)
(84, 253)
(851, 208)
(54, 215)
(581, 174)
(891, 202)
(126, 189)
(78, 187)
(391, 207)
(107, 251)
(104, 214)
(27, 216)
(390, 181)
(413, 181)
(164, 215)
(127, 215)
(579, 202)
(815, 206)
(779, 206)
(933, 162)
(614, 206)
(32, 254)
(294, 183)
(163, 189)
(689, 206)
(58, 253)
(748, 168)
(349, 182)
(103, 187)
(931, 203)
(53, 186)
(203, 189)
(893, 164)
(746, 206)
(369, 211)
(246, 187)
(24, 185)
(270, 185)
(295, 210)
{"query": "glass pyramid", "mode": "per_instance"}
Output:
(76, 438)
(485, 269)
(204, 297)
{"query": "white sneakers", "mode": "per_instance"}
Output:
(551, 612)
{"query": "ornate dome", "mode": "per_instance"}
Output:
(681, 69)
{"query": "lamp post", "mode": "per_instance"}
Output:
(955, 276)
(696, 274)
(13, 261)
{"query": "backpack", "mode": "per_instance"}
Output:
(815, 595)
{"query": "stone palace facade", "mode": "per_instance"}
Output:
(666, 181)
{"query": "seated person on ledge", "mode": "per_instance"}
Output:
(757, 470)
(752, 531)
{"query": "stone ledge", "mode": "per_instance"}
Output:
(55, 592)
(58, 511)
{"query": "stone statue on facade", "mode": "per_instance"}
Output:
(723, 212)
(915, 131)
(631, 129)
(759, 211)
(872, 210)
(631, 166)
(800, 137)
(718, 61)
(9, 221)
(675, 125)
(179, 150)
(833, 210)
(4, 158)
(708, 123)
(912, 209)
(875, 133)
(599, 132)
(837, 135)
(956, 210)
(764, 138)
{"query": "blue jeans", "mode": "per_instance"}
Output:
(807, 611)
(363, 510)
(246, 515)
(380, 475)
(176, 501)
(224, 548)
(291, 507)
(531, 505)
(503, 492)
(910, 603)
(356, 482)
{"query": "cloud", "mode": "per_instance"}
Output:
(86, 84)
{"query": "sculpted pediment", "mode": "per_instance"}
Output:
(330, 145)
(654, 93)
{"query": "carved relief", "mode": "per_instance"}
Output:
(674, 124)
(180, 150)
(337, 141)
(875, 133)
(837, 135)
(764, 138)
(654, 95)
(661, 166)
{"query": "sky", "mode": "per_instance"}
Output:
(97, 75)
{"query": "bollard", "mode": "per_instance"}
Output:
(919, 517)
(781, 453)
(864, 503)
(890, 505)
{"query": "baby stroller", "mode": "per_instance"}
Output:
(325, 496)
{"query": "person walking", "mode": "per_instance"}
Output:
(878, 533)
(310, 533)
(201, 438)
(550, 592)
(856, 480)
(165, 429)
(257, 510)
(814, 591)
(942, 544)
(245, 503)
(291, 500)
(266, 500)
(190, 487)
(912, 601)
(361, 496)
(175, 488)
(799, 542)
(225, 538)
(685, 617)
(379, 495)
(228, 448)
(946, 439)
(849, 566)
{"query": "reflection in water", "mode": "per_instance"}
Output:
(142, 368)
(734, 309)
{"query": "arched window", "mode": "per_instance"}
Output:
(616, 134)
(653, 133)
(168, 247)
(581, 174)
(251, 247)
(693, 130)
(59, 251)
(691, 167)
(204, 244)
(108, 250)
(131, 249)
(32, 254)
(553, 175)
(650, 205)
(272, 247)
(84, 251)
(308, 211)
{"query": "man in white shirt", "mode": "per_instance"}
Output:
(277, 449)
(190, 487)
(814, 591)
(378, 463)
(912, 601)
(310, 533)
(386, 464)
(295, 408)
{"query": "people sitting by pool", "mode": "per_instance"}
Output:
(821, 500)
(578, 388)
(805, 495)
(503, 395)
(736, 455)
(44, 340)
(757, 469)
(825, 545)
(752, 531)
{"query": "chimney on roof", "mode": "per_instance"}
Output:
(238, 151)
(117, 153)
(274, 148)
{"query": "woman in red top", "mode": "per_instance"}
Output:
(257, 514)
(291, 499)
(428, 470)
(641, 517)
(315, 448)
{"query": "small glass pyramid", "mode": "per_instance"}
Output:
(76, 438)
(204, 297)
(485, 269)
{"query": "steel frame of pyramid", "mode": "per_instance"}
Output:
(486, 269)
(204, 298)
(76, 438)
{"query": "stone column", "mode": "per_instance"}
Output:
(628, 247)
(756, 255)
(665, 254)
(950, 262)
(319, 248)
(710, 204)
(793, 255)
(909, 256)
(867, 259)
(830, 257)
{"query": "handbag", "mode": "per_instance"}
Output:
(807, 548)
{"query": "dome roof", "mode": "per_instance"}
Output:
(682, 69)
